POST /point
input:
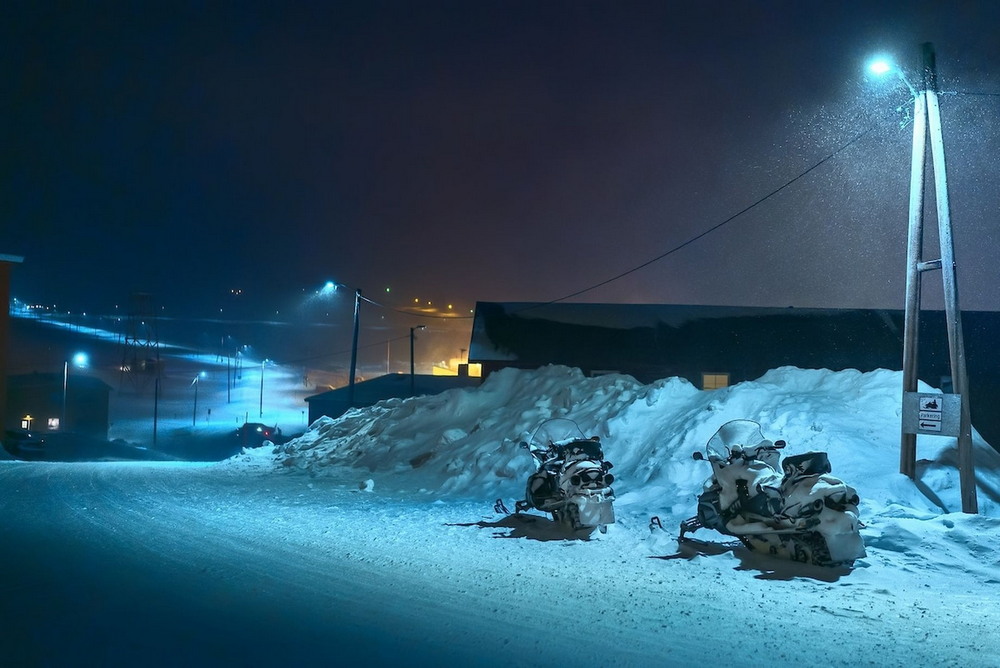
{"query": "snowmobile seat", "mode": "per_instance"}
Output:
(582, 449)
(809, 463)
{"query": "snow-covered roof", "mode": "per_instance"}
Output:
(397, 385)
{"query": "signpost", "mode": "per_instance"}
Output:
(935, 414)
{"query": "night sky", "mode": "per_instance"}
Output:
(484, 150)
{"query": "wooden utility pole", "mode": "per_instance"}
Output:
(925, 414)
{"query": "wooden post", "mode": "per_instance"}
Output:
(914, 254)
(953, 314)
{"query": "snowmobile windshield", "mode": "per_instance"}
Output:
(744, 433)
(558, 431)
(577, 449)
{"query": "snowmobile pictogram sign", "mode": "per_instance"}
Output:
(938, 414)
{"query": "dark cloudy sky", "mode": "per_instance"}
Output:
(484, 150)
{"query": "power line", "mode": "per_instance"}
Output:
(705, 233)
(970, 93)
(345, 352)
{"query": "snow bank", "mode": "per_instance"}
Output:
(466, 442)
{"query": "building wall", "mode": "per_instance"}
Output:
(6, 262)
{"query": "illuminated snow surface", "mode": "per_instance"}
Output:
(372, 539)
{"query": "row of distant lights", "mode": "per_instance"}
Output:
(19, 305)
(329, 287)
(417, 302)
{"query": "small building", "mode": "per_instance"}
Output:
(54, 402)
(334, 403)
(715, 346)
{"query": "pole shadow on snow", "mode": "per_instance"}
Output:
(771, 568)
(532, 527)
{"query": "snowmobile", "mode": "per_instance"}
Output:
(792, 509)
(571, 479)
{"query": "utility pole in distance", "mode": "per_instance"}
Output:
(412, 367)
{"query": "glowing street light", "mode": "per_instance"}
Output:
(883, 65)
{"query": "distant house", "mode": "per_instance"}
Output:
(334, 403)
(43, 403)
(715, 346)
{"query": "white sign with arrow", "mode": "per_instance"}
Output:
(937, 414)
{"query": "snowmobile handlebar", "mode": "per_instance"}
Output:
(737, 451)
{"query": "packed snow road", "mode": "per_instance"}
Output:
(158, 563)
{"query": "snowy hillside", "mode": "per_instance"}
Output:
(464, 444)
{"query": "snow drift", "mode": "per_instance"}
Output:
(466, 444)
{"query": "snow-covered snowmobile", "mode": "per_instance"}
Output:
(571, 479)
(794, 510)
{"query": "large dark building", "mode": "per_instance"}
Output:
(714, 346)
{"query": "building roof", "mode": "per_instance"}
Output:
(658, 340)
(395, 385)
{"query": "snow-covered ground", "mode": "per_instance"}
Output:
(374, 537)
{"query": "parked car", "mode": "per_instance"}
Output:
(253, 434)
(24, 444)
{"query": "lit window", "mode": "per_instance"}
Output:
(714, 381)
(53, 424)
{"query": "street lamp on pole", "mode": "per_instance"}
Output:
(354, 347)
(261, 406)
(412, 369)
(916, 417)
(194, 412)
(332, 287)
(80, 360)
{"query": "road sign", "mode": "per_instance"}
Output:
(937, 414)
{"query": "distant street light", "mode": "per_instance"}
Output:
(80, 360)
(354, 347)
(329, 288)
(412, 370)
(262, 363)
(194, 412)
